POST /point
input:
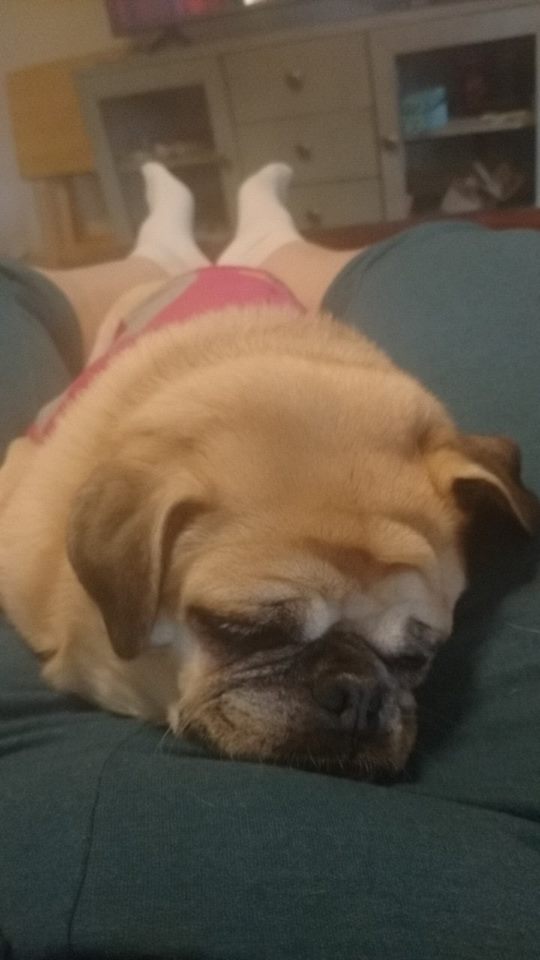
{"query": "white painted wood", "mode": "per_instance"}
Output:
(336, 204)
(326, 146)
(294, 79)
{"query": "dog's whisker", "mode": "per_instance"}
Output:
(168, 732)
(522, 628)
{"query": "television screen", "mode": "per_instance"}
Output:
(135, 16)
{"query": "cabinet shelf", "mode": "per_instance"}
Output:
(201, 158)
(212, 160)
(469, 126)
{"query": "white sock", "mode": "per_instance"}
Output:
(264, 223)
(166, 236)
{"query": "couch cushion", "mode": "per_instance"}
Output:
(119, 842)
(40, 346)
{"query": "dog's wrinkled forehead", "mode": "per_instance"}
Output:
(260, 587)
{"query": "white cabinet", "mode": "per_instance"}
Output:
(456, 106)
(381, 117)
(215, 118)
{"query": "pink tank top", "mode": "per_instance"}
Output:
(188, 297)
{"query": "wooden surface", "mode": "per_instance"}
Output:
(64, 242)
(353, 237)
(50, 137)
(52, 148)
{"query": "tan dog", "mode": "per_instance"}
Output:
(251, 527)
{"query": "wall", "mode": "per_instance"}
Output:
(31, 32)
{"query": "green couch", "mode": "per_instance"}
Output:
(117, 841)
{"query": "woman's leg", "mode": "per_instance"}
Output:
(306, 269)
(92, 291)
(164, 247)
(266, 237)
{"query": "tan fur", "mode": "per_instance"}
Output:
(317, 470)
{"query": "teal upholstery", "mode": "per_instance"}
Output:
(117, 841)
(40, 346)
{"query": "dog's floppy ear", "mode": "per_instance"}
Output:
(484, 475)
(120, 533)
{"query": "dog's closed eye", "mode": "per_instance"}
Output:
(275, 628)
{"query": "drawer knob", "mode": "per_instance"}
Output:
(313, 217)
(303, 152)
(294, 80)
(390, 143)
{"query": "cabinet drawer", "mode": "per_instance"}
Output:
(328, 147)
(336, 204)
(310, 77)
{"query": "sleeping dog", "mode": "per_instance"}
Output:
(252, 528)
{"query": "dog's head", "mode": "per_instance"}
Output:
(310, 546)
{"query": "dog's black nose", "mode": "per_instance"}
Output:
(356, 703)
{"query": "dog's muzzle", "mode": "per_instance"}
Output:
(330, 704)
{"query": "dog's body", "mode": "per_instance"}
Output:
(248, 527)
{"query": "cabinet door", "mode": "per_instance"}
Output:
(456, 108)
(172, 109)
